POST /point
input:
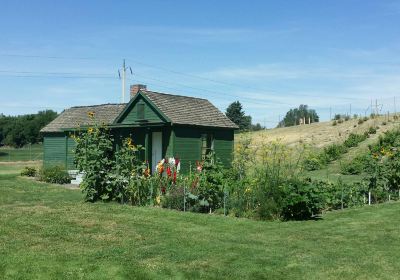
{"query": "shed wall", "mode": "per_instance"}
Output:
(58, 149)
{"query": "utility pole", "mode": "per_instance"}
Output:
(371, 106)
(122, 76)
(330, 113)
(394, 104)
(350, 111)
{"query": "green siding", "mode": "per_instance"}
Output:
(150, 115)
(58, 149)
(71, 144)
(54, 150)
(187, 146)
(223, 146)
(181, 142)
(168, 143)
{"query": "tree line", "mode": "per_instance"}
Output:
(17, 131)
(293, 117)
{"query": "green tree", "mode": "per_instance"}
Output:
(17, 131)
(293, 116)
(236, 114)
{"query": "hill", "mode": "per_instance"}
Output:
(319, 134)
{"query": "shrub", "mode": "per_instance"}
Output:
(29, 171)
(346, 118)
(353, 167)
(312, 163)
(174, 198)
(55, 175)
(334, 152)
(339, 194)
(384, 123)
(353, 140)
(365, 119)
(340, 121)
(302, 200)
(372, 130)
(334, 123)
(360, 121)
(337, 117)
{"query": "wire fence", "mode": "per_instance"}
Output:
(26, 153)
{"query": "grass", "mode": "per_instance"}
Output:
(27, 153)
(48, 232)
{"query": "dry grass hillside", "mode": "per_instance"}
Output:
(319, 134)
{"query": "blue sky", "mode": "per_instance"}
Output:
(270, 55)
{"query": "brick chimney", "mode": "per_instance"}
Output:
(135, 89)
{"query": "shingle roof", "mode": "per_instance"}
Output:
(75, 116)
(189, 110)
(179, 109)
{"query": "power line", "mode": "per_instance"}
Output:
(269, 91)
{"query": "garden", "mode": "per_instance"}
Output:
(265, 182)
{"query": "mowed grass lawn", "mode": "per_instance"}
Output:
(48, 232)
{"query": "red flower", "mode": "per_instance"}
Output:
(176, 161)
(163, 190)
(174, 180)
(169, 173)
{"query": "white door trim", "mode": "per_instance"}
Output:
(156, 149)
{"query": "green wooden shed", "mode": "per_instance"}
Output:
(165, 125)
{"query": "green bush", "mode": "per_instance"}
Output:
(302, 200)
(312, 163)
(340, 121)
(365, 119)
(334, 152)
(353, 167)
(354, 139)
(360, 121)
(29, 171)
(174, 198)
(55, 175)
(337, 117)
(339, 194)
(334, 123)
(372, 130)
(347, 118)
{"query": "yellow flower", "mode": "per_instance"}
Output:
(130, 144)
(158, 199)
(91, 114)
(90, 129)
(247, 190)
